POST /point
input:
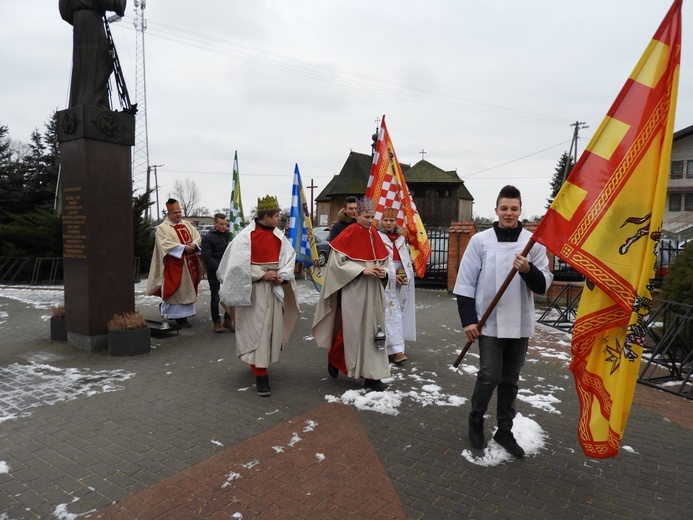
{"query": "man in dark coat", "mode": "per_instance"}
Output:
(345, 217)
(213, 247)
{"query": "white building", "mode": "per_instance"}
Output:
(678, 212)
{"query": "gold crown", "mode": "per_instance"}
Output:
(389, 213)
(269, 203)
(365, 204)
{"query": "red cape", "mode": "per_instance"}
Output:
(360, 244)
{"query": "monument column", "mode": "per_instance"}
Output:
(96, 196)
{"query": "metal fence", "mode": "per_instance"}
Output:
(666, 254)
(437, 267)
(668, 251)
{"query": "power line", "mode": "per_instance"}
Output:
(280, 175)
(348, 79)
(515, 160)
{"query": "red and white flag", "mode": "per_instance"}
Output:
(388, 189)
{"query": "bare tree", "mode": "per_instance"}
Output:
(188, 194)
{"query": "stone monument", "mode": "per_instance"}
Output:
(96, 181)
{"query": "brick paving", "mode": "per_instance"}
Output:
(318, 465)
(187, 437)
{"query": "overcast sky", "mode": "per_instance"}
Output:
(488, 89)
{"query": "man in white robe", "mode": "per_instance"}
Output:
(257, 276)
(488, 259)
(350, 310)
(176, 268)
(400, 314)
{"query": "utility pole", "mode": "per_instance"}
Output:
(572, 154)
(140, 157)
(311, 188)
(156, 186)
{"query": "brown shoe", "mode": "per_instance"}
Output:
(229, 324)
(217, 327)
(399, 358)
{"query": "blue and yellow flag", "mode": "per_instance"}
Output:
(236, 218)
(301, 232)
(606, 222)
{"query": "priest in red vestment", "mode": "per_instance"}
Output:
(176, 268)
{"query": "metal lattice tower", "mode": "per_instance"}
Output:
(140, 158)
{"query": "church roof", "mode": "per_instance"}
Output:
(351, 180)
(423, 172)
(353, 177)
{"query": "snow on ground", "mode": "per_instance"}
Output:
(278, 449)
(528, 434)
(40, 384)
(38, 297)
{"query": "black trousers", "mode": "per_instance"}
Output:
(499, 367)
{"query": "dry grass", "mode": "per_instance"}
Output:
(58, 311)
(127, 321)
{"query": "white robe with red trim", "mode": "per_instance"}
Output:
(171, 243)
(400, 315)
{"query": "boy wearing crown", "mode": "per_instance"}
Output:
(400, 316)
(176, 268)
(257, 276)
(350, 308)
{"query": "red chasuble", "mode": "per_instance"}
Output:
(264, 246)
(360, 244)
(173, 267)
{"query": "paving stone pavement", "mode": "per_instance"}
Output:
(180, 433)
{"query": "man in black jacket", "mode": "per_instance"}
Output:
(345, 217)
(213, 246)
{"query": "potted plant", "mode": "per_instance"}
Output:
(128, 335)
(58, 331)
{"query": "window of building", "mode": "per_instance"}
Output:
(689, 169)
(674, 202)
(688, 201)
(676, 169)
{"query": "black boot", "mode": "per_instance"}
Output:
(262, 386)
(476, 432)
(332, 370)
(183, 323)
(506, 439)
(374, 385)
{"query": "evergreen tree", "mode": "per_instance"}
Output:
(678, 283)
(42, 166)
(143, 238)
(36, 234)
(11, 178)
(559, 172)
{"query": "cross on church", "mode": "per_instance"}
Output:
(311, 188)
(422, 152)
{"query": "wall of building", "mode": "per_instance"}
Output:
(678, 217)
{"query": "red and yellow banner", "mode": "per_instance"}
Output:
(388, 189)
(606, 223)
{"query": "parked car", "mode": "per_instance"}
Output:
(203, 229)
(324, 249)
(321, 233)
